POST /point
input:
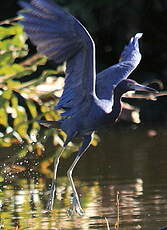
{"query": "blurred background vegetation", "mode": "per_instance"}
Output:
(30, 84)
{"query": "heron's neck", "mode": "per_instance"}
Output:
(117, 107)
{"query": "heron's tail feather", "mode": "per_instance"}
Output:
(50, 124)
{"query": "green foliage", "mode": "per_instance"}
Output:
(20, 101)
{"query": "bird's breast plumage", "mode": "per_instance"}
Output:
(97, 115)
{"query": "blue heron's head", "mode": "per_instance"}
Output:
(131, 85)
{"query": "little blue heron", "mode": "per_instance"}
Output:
(88, 103)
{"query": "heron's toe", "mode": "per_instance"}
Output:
(76, 206)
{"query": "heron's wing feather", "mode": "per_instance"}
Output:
(61, 37)
(109, 78)
(131, 51)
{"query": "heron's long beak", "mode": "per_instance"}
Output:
(138, 87)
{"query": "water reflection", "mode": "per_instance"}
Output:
(127, 161)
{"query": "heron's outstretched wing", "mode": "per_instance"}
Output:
(109, 78)
(61, 37)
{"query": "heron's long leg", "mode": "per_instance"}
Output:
(56, 162)
(75, 199)
(53, 187)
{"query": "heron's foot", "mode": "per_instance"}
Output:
(76, 206)
(51, 198)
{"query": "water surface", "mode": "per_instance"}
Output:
(128, 162)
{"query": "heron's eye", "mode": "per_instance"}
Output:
(130, 84)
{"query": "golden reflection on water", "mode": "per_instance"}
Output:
(23, 205)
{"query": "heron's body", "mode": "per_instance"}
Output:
(97, 114)
(89, 102)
